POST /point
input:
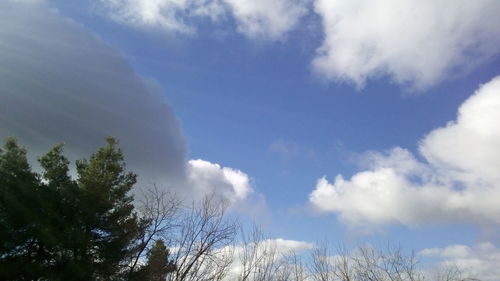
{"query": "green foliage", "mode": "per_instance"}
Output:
(20, 217)
(158, 265)
(107, 209)
(53, 227)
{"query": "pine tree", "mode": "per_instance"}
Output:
(19, 215)
(158, 265)
(111, 225)
(53, 227)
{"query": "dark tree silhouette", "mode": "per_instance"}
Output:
(56, 228)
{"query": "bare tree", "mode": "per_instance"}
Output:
(203, 232)
(452, 273)
(389, 265)
(321, 265)
(250, 255)
(363, 264)
(200, 236)
(158, 210)
(296, 268)
(201, 242)
(270, 262)
(260, 259)
(343, 267)
(398, 266)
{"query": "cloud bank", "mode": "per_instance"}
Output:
(458, 179)
(255, 19)
(60, 83)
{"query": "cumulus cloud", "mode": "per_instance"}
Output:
(60, 83)
(255, 19)
(469, 146)
(208, 178)
(458, 179)
(204, 178)
(415, 43)
(480, 261)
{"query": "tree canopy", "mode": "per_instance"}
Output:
(54, 227)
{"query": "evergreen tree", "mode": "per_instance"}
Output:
(158, 265)
(111, 225)
(53, 227)
(20, 217)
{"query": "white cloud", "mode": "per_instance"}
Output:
(60, 83)
(284, 246)
(480, 261)
(268, 19)
(416, 43)
(469, 146)
(459, 181)
(255, 19)
(207, 178)
(169, 15)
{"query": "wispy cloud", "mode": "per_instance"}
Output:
(287, 150)
(260, 19)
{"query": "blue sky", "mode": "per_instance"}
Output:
(284, 94)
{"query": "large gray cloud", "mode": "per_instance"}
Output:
(60, 83)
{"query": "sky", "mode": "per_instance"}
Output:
(356, 121)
